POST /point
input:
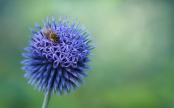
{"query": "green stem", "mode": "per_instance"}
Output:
(46, 99)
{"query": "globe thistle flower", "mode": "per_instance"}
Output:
(57, 56)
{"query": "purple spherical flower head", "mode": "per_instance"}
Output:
(57, 66)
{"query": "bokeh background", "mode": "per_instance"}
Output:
(133, 66)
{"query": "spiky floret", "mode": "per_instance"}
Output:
(58, 66)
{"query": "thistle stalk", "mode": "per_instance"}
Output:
(46, 100)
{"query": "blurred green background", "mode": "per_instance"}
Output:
(133, 66)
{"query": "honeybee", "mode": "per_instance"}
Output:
(52, 35)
